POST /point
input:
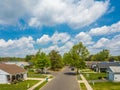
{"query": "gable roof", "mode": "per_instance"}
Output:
(115, 69)
(11, 68)
(107, 64)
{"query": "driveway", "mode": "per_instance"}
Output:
(64, 80)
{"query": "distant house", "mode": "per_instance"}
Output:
(18, 63)
(114, 73)
(11, 72)
(103, 66)
(91, 64)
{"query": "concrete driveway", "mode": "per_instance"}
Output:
(64, 80)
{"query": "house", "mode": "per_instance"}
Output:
(103, 66)
(90, 64)
(18, 63)
(11, 72)
(114, 73)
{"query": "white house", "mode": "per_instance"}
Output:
(11, 72)
(18, 63)
(114, 73)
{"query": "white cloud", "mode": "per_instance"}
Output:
(56, 38)
(66, 47)
(62, 49)
(19, 47)
(45, 39)
(111, 44)
(84, 37)
(101, 43)
(75, 13)
(105, 30)
(60, 38)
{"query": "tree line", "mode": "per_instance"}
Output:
(75, 57)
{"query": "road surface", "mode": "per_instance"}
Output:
(64, 80)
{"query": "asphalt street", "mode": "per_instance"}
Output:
(64, 80)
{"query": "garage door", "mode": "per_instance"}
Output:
(117, 77)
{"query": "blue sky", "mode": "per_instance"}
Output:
(27, 25)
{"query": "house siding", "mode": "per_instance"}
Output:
(116, 77)
(111, 76)
(3, 77)
(25, 75)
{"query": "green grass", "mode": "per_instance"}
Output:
(23, 85)
(36, 75)
(94, 76)
(86, 70)
(51, 77)
(82, 86)
(41, 85)
(106, 86)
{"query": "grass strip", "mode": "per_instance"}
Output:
(82, 86)
(41, 85)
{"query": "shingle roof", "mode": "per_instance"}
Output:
(11, 68)
(115, 69)
(107, 64)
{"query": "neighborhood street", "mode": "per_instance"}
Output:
(63, 80)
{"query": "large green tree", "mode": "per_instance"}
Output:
(56, 60)
(101, 56)
(77, 55)
(41, 60)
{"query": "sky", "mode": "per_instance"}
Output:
(29, 25)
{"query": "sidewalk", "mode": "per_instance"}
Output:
(41, 81)
(85, 82)
(33, 87)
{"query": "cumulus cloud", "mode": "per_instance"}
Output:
(56, 38)
(101, 43)
(75, 13)
(19, 47)
(60, 38)
(62, 49)
(105, 30)
(84, 37)
(111, 44)
(45, 39)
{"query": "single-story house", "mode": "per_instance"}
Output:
(103, 66)
(18, 63)
(90, 64)
(114, 73)
(11, 72)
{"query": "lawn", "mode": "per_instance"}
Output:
(82, 86)
(23, 85)
(86, 70)
(94, 76)
(35, 75)
(41, 85)
(106, 86)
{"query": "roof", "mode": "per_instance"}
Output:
(107, 64)
(11, 68)
(115, 69)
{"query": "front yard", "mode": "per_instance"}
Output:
(95, 76)
(23, 85)
(32, 74)
(106, 86)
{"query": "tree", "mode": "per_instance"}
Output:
(28, 57)
(56, 60)
(41, 60)
(101, 56)
(77, 56)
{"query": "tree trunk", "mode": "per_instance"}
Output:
(77, 71)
